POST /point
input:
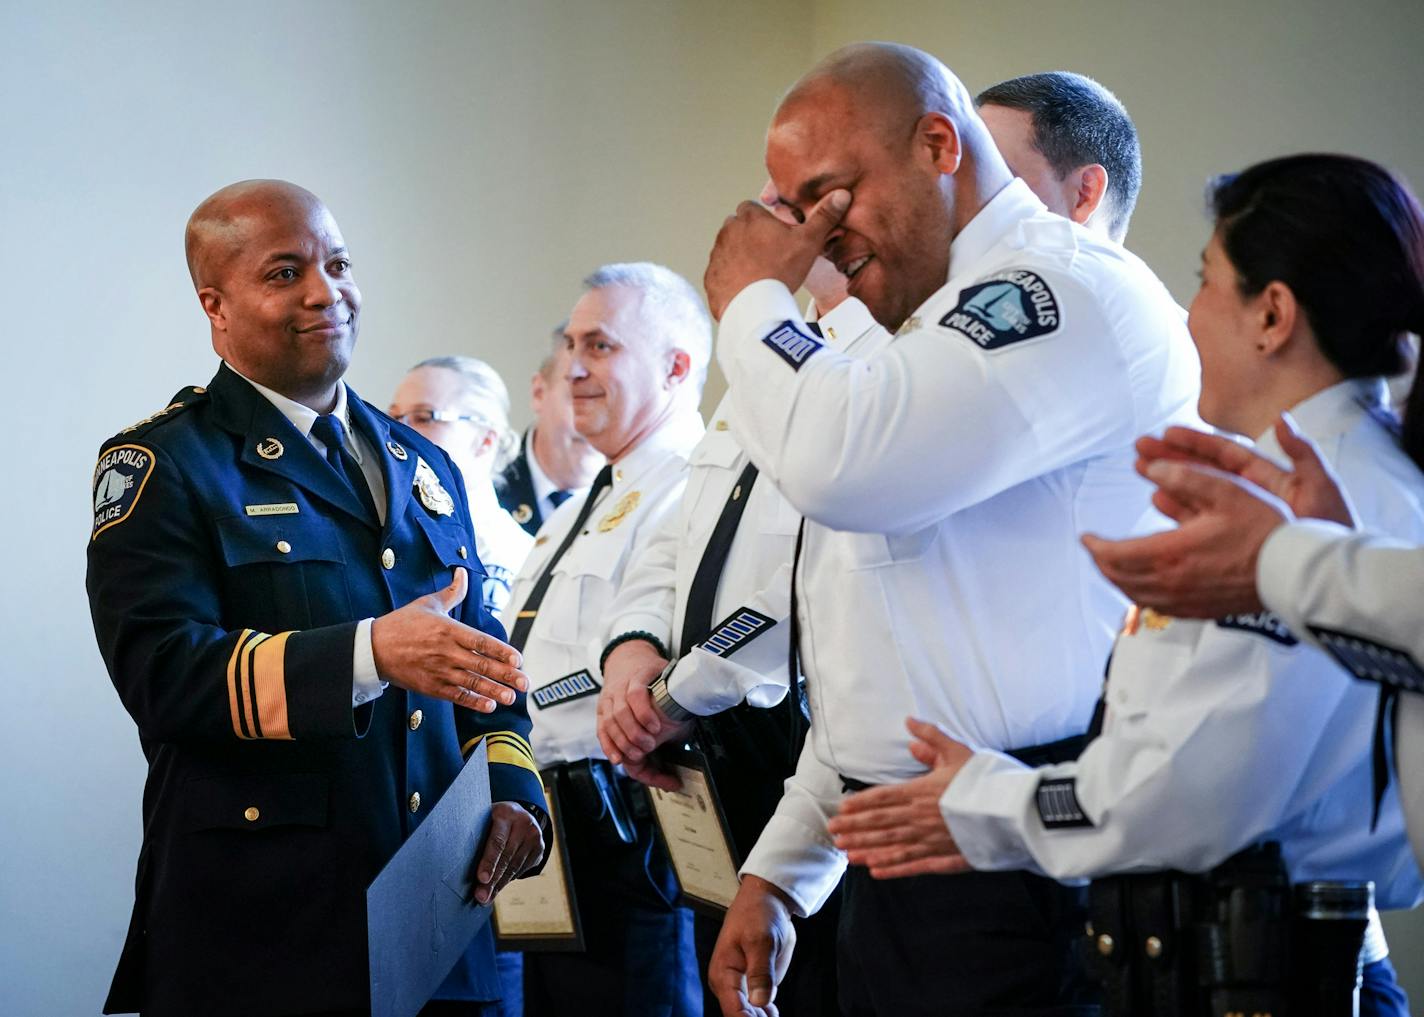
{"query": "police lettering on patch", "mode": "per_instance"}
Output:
(791, 344)
(565, 690)
(1009, 307)
(1263, 623)
(737, 631)
(119, 479)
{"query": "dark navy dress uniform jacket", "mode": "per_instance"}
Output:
(226, 586)
(514, 487)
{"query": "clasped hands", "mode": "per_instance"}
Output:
(630, 726)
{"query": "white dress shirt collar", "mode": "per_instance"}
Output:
(1012, 204)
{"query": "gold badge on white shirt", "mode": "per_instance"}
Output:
(625, 505)
(430, 491)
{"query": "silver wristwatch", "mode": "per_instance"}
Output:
(663, 700)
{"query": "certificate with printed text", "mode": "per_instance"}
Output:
(540, 912)
(694, 832)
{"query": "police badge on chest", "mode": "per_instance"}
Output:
(430, 491)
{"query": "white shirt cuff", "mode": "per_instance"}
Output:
(366, 684)
(802, 862)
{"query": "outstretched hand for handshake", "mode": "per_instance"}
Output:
(422, 649)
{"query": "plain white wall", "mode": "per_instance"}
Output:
(480, 158)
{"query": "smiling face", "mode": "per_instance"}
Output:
(280, 295)
(1224, 326)
(619, 374)
(893, 243)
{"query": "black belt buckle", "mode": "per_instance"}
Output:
(595, 787)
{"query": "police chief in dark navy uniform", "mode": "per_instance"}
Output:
(278, 576)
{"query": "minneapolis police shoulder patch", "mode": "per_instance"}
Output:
(1009, 307)
(1262, 623)
(565, 690)
(791, 344)
(120, 476)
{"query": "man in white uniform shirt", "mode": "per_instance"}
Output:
(945, 473)
(638, 345)
(554, 462)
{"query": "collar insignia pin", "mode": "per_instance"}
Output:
(270, 448)
(522, 514)
(396, 451)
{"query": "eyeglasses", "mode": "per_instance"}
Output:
(423, 415)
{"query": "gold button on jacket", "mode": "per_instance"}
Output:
(416, 718)
(252, 814)
(388, 558)
(415, 801)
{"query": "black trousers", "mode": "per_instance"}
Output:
(981, 944)
(435, 1008)
(638, 958)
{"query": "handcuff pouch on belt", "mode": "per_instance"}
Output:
(1238, 939)
(596, 790)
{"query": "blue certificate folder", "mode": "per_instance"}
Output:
(420, 911)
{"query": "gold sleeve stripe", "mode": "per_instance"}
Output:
(499, 752)
(513, 740)
(269, 685)
(257, 686)
(503, 747)
(237, 702)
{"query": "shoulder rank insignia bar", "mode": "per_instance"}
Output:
(741, 628)
(792, 345)
(1058, 806)
(570, 687)
(1371, 661)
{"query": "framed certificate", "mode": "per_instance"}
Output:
(694, 831)
(540, 913)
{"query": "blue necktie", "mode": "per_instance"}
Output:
(329, 432)
(557, 498)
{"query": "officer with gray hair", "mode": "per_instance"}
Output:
(637, 346)
(554, 462)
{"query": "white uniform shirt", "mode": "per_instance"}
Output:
(1318, 574)
(1221, 734)
(500, 542)
(748, 651)
(561, 654)
(945, 486)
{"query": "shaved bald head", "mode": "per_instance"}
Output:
(274, 278)
(895, 127)
(889, 85)
(219, 226)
